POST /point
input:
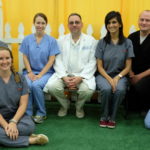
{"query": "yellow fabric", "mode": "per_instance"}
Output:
(92, 11)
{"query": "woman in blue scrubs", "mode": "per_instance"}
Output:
(39, 51)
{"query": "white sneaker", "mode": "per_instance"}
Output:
(40, 139)
(80, 113)
(62, 112)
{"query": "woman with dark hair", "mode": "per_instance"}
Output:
(113, 55)
(16, 127)
(39, 50)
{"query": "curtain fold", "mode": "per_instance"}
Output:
(92, 11)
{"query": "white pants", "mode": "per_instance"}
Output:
(56, 89)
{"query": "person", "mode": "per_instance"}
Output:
(16, 127)
(3, 44)
(147, 120)
(113, 55)
(39, 51)
(139, 93)
(74, 67)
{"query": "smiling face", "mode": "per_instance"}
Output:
(40, 24)
(75, 24)
(144, 22)
(5, 60)
(113, 25)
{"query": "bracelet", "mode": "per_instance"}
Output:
(29, 71)
(120, 75)
(13, 120)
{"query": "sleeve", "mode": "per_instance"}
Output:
(24, 46)
(54, 49)
(99, 49)
(25, 87)
(130, 53)
(90, 68)
(59, 64)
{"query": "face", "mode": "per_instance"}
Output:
(113, 25)
(75, 24)
(40, 24)
(5, 60)
(144, 21)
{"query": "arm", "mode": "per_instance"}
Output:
(124, 72)
(28, 67)
(137, 77)
(22, 107)
(127, 68)
(11, 128)
(104, 73)
(3, 122)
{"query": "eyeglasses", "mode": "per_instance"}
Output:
(74, 22)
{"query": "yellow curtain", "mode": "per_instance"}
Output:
(92, 11)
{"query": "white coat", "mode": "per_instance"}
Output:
(85, 61)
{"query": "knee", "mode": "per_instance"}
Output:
(121, 91)
(147, 123)
(35, 86)
(87, 92)
(53, 87)
(28, 127)
(147, 120)
(106, 91)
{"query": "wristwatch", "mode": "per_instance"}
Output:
(120, 75)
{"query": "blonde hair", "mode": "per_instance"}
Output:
(16, 75)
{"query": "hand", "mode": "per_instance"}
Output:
(77, 80)
(111, 82)
(12, 131)
(37, 77)
(31, 76)
(115, 81)
(135, 78)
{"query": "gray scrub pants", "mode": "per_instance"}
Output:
(111, 101)
(25, 127)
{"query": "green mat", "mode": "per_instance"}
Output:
(71, 133)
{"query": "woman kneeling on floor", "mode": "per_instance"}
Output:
(16, 127)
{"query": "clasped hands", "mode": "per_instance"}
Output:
(72, 82)
(33, 76)
(12, 131)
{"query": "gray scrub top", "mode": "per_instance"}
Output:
(10, 94)
(114, 56)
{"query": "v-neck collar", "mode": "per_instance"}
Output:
(6, 83)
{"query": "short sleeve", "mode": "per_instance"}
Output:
(130, 53)
(25, 87)
(54, 49)
(99, 49)
(24, 46)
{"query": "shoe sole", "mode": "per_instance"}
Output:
(103, 126)
(110, 127)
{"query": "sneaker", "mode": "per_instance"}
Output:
(80, 113)
(62, 112)
(39, 119)
(103, 123)
(111, 124)
(40, 139)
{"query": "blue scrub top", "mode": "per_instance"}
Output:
(38, 53)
